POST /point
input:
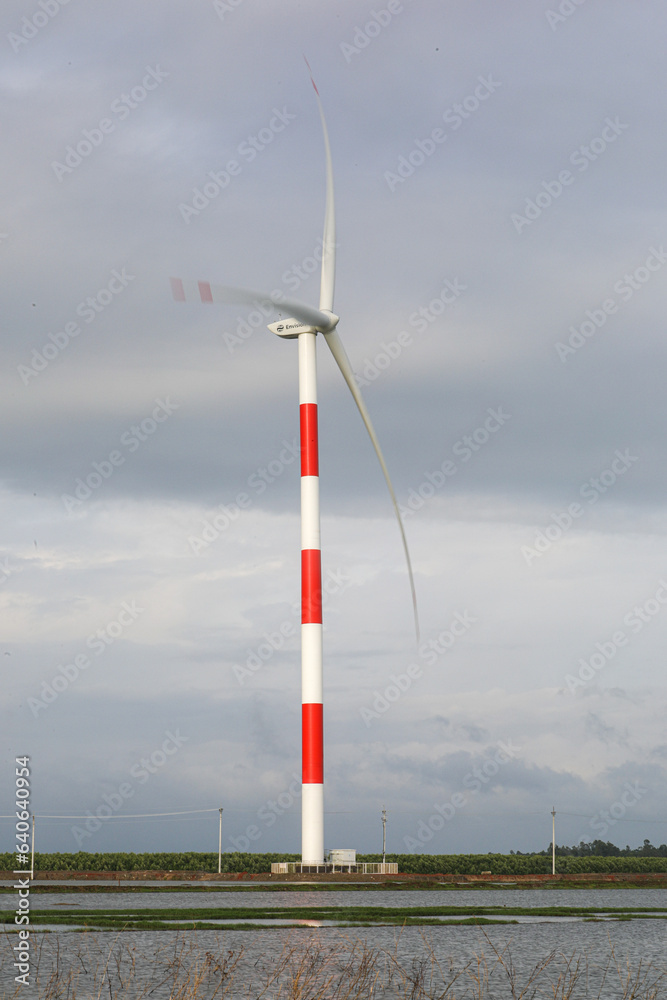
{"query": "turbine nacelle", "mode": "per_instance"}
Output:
(290, 329)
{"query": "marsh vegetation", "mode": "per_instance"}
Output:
(304, 968)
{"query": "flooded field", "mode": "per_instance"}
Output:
(541, 955)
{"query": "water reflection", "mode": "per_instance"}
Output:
(351, 897)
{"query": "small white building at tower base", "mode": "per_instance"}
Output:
(337, 860)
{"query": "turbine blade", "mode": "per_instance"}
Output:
(203, 291)
(343, 362)
(328, 278)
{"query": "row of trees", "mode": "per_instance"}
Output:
(454, 864)
(600, 848)
(523, 864)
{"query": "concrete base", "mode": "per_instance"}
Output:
(360, 868)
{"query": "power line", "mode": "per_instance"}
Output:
(184, 812)
(333, 812)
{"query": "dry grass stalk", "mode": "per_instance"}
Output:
(307, 969)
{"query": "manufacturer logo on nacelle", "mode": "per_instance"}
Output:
(290, 328)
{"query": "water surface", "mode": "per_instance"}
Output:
(525, 898)
(494, 963)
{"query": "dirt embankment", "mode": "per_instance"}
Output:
(648, 879)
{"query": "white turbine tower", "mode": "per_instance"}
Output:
(306, 323)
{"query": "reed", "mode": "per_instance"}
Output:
(306, 969)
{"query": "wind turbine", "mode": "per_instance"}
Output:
(304, 325)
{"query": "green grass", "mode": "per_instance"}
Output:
(200, 918)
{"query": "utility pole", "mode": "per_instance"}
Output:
(384, 834)
(220, 843)
(553, 840)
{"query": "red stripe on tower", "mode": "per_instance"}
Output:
(312, 746)
(309, 451)
(311, 587)
(205, 292)
(177, 289)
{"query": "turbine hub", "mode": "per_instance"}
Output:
(334, 320)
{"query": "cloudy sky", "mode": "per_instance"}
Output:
(502, 283)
